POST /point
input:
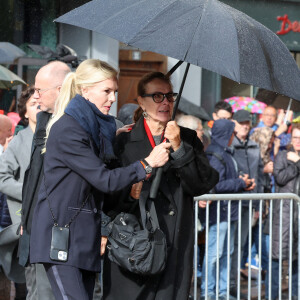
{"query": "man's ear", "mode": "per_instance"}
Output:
(214, 115)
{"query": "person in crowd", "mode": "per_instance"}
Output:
(222, 110)
(247, 155)
(271, 118)
(5, 132)
(191, 122)
(220, 156)
(13, 163)
(269, 148)
(48, 83)
(77, 176)
(188, 174)
(287, 179)
(15, 160)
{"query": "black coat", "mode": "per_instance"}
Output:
(73, 172)
(287, 176)
(31, 184)
(188, 176)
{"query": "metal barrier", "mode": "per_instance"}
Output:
(242, 197)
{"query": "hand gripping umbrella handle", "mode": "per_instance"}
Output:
(156, 181)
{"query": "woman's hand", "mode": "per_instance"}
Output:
(172, 133)
(203, 203)
(293, 156)
(125, 128)
(103, 244)
(159, 155)
(136, 190)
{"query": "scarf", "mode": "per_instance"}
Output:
(102, 128)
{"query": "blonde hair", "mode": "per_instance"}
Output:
(262, 136)
(88, 73)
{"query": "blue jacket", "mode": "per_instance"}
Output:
(229, 181)
(73, 172)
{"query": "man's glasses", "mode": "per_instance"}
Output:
(42, 91)
(160, 97)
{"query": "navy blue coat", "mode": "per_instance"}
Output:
(229, 181)
(72, 172)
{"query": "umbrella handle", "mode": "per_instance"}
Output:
(156, 181)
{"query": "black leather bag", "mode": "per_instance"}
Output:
(135, 247)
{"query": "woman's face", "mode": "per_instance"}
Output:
(160, 112)
(102, 94)
(31, 110)
(296, 139)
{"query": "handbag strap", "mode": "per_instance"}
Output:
(150, 215)
(72, 218)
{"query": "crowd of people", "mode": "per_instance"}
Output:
(74, 168)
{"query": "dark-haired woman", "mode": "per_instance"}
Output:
(188, 174)
(13, 164)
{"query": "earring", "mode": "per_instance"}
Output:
(145, 115)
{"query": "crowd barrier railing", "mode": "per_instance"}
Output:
(285, 200)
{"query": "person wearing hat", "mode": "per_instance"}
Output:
(247, 156)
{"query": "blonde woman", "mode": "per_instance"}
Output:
(77, 177)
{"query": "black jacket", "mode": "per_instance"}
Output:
(287, 176)
(31, 184)
(184, 178)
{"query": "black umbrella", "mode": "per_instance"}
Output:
(276, 100)
(190, 108)
(206, 33)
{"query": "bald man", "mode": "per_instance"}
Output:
(48, 82)
(5, 132)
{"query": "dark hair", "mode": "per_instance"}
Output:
(223, 105)
(141, 88)
(25, 96)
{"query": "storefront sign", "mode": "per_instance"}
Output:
(287, 25)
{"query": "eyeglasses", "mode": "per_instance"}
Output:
(160, 97)
(42, 91)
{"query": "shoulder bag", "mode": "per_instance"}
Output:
(138, 248)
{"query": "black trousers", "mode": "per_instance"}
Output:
(70, 283)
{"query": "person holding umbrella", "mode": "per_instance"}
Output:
(187, 174)
(66, 226)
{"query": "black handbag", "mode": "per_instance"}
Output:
(138, 248)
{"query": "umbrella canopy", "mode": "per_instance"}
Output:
(9, 52)
(190, 108)
(247, 103)
(207, 33)
(9, 79)
(276, 100)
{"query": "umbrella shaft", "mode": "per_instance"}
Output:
(180, 91)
